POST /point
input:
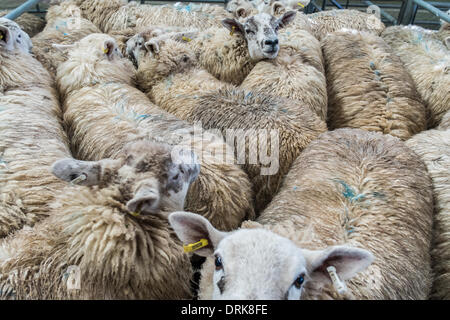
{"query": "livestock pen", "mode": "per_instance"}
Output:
(224, 149)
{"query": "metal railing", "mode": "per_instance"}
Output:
(407, 10)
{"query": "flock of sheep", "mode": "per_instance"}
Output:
(99, 153)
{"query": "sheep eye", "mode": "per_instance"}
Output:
(248, 31)
(218, 263)
(299, 281)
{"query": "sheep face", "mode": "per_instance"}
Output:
(136, 43)
(148, 175)
(261, 33)
(13, 38)
(99, 46)
(259, 264)
(160, 57)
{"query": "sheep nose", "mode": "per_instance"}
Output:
(271, 42)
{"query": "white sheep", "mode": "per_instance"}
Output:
(64, 27)
(103, 111)
(433, 146)
(112, 229)
(172, 78)
(347, 190)
(31, 134)
(369, 87)
(297, 72)
(230, 55)
(427, 59)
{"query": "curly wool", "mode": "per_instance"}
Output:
(233, 109)
(296, 73)
(57, 32)
(428, 62)
(433, 147)
(369, 87)
(119, 256)
(445, 123)
(31, 139)
(223, 54)
(222, 192)
(116, 15)
(363, 189)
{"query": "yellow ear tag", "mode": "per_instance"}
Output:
(195, 246)
(105, 50)
(232, 30)
(186, 39)
(1, 36)
(300, 4)
(135, 214)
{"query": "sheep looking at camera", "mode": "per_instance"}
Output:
(31, 134)
(369, 87)
(103, 111)
(231, 54)
(95, 228)
(349, 188)
(445, 123)
(116, 15)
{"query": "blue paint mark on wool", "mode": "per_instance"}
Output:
(349, 193)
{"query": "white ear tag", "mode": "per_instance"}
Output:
(337, 283)
(80, 178)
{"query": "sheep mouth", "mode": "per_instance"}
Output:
(270, 53)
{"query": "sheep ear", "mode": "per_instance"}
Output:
(85, 173)
(286, 18)
(233, 25)
(5, 35)
(108, 48)
(152, 46)
(191, 228)
(241, 12)
(63, 47)
(277, 7)
(347, 260)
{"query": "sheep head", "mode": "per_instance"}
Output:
(261, 33)
(14, 38)
(259, 264)
(149, 175)
(160, 57)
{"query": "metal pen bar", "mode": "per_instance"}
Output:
(21, 9)
(442, 15)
